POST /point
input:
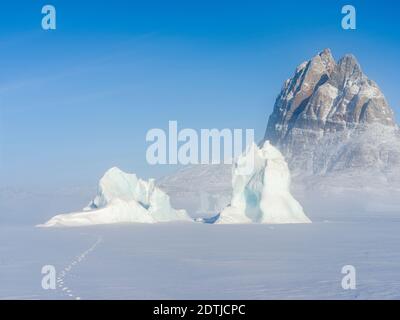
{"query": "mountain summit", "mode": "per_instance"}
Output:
(324, 112)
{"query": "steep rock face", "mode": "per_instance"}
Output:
(325, 106)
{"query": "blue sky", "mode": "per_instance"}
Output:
(80, 99)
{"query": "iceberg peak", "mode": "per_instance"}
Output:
(262, 195)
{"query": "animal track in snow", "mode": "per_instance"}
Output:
(61, 278)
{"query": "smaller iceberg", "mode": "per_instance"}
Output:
(122, 198)
(261, 194)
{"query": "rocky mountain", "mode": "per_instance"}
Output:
(329, 117)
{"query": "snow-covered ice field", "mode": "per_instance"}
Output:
(182, 260)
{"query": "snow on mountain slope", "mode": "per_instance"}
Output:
(263, 194)
(122, 198)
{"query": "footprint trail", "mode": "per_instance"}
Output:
(79, 259)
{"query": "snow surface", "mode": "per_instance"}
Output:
(122, 197)
(263, 194)
(201, 261)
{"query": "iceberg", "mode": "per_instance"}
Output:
(122, 198)
(262, 194)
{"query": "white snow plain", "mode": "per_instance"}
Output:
(262, 194)
(200, 261)
(122, 197)
(178, 260)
